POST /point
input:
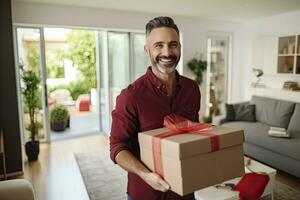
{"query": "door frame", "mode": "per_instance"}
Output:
(228, 79)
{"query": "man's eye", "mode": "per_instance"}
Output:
(158, 46)
(174, 45)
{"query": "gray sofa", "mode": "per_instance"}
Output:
(280, 153)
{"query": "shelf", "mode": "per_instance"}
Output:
(287, 45)
(284, 74)
(288, 57)
(218, 49)
(286, 54)
(285, 64)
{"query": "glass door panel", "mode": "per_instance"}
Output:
(118, 65)
(72, 79)
(141, 61)
(29, 57)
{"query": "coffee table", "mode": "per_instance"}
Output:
(212, 193)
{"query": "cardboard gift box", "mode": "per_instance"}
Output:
(187, 160)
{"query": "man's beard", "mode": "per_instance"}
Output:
(168, 68)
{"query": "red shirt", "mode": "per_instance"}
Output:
(142, 107)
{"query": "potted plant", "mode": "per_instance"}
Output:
(59, 117)
(30, 88)
(197, 66)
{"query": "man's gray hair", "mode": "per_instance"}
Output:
(158, 22)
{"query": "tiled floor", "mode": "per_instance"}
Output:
(80, 125)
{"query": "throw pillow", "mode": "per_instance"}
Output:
(230, 116)
(244, 112)
(240, 112)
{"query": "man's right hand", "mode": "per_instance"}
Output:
(127, 161)
(155, 181)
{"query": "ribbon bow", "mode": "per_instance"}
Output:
(180, 125)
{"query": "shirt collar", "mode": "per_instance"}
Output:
(158, 83)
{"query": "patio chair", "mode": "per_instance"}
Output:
(61, 96)
(83, 102)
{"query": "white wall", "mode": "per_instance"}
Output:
(194, 31)
(279, 25)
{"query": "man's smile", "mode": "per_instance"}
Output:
(166, 60)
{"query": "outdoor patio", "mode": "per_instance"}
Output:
(81, 124)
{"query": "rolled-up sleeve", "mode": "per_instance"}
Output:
(124, 124)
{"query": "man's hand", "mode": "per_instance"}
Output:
(155, 181)
(127, 161)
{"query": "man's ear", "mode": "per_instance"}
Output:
(146, 49)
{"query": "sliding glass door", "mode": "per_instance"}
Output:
(65, 62)
(106, 61)
(29, 57)
(126, 61)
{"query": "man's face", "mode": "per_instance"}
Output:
(163, 49)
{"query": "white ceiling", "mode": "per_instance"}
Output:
(239, 10)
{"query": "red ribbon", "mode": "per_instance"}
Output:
(180, 125)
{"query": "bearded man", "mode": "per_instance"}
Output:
(144, 103)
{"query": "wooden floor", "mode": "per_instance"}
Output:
(288, 180)
(55, 176)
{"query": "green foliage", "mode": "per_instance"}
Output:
(207, 119)
(82, 53)
(59, 113)
(55, 72)
(197, 67)
(33, 64)
(34, 127)
(39, 101)
(76, 88)
(55, 63)
(30, 90)
(33, 59)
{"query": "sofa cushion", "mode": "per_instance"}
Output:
(272, 111)
(257, 133)
(294, 125)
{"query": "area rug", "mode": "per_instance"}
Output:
(106, 181)
(103, 179)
